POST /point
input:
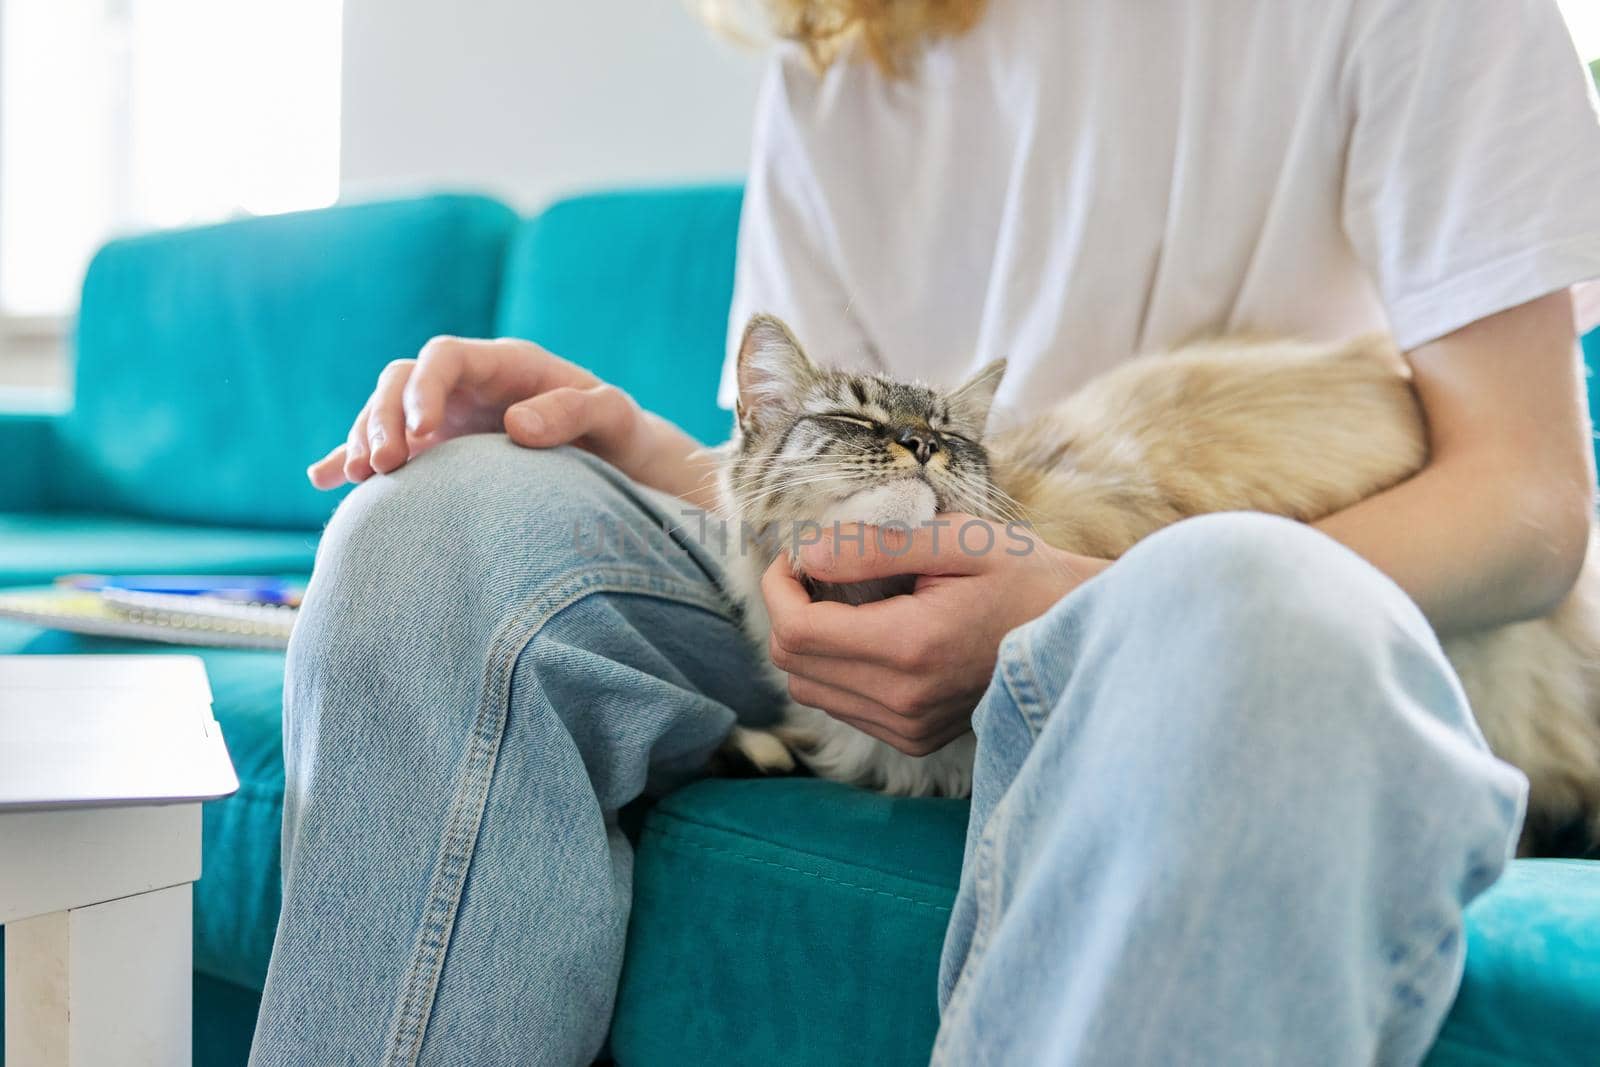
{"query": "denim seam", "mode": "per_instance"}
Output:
(1020, 680)
(1425, 953)
(745, 857)
(1016, 672)
(982, 890)
(476, 774)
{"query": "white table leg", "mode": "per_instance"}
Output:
(107, 984)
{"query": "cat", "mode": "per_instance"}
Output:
(1292, 428)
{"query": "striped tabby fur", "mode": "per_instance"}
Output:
(1289, 428)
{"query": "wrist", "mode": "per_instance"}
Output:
(1064, 572)
(661, 455)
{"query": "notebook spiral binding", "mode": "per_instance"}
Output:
(165, 617)
(204, 614)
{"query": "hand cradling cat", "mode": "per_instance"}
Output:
(894, 508)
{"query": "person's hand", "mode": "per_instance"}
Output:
(458, 386)
(909, 670)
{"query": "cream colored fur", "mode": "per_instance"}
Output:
(1303, 431)
(829, 747)
(1295, 429)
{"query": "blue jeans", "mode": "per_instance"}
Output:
(1229, 799)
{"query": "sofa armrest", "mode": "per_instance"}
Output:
(29, 425)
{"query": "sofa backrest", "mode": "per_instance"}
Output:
(1591, 371)
(214, 364)
(636, 287)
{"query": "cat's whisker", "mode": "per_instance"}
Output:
(767, 492)
(1216, 427)
(809, 470)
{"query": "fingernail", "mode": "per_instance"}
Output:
(532, 423)
(377, 438)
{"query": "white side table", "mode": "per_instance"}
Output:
(104, 761)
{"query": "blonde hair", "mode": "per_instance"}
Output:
(888, 32)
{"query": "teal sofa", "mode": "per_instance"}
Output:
(789, 922)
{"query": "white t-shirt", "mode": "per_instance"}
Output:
(1077, 181)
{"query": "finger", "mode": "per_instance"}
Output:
(893, 632)
(328, 472)
(908, 736)
(356, 467)
(818, 629)
(502, 368)
(925, 746)
(602, 418)
(949, 544)
(440, 365)
(386, 433)
(872, 730)
(880, 683)
(861, 712)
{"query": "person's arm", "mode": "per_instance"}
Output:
(785, 265)
(1586, 303)
(1495, 527)
(458, 386)
(1468, 188)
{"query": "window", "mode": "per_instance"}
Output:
(121, 115)
(1583, 16)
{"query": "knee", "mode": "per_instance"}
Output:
(475, 487)
(1254, 661)
(416, 570)
(431, 540)
(1258, 583)
(1253, 617)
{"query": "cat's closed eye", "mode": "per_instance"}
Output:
(856, 420)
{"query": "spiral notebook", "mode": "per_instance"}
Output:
(168, 618)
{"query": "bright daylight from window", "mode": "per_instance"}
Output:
(123, 115)
(1584, 18)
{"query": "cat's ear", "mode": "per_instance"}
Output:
(971, 400)
(772, 372)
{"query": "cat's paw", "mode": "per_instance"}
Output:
(762, 750)
(797, 738)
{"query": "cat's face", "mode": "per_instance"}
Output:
(813, 441)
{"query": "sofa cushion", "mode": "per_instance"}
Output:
(636, 287)
(793, 921)
(214, 364)
(1531, 993)
(36, 547)
(236, 899)
(799, 922)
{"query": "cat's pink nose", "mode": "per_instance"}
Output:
(920, 443)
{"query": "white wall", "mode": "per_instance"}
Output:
(529, 99)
